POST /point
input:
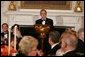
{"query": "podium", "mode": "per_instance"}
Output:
(42, 30)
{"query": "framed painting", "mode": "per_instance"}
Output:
(57, 5)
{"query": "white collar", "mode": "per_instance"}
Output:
(54, 45)
(69, 50)
(61, 53)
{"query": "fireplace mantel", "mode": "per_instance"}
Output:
(60, 18)
(50, 13)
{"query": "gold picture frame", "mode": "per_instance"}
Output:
(57, 5)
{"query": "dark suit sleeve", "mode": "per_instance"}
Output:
(38, 21)
(51, 22)
(2, 34)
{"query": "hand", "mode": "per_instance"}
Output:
(40, 52)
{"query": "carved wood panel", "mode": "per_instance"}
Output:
(59, 5)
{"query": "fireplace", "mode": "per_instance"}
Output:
(60, 18)
(29, 29)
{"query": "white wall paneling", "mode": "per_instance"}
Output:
(29, 16)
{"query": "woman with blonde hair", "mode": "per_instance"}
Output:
(28, 46)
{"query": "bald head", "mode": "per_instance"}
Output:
(69, 38)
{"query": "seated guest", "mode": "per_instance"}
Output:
(80, 45)
(4, 29)
(54, 37)
(28, 47)
(4, 33)
(18, 33)
(68, 44)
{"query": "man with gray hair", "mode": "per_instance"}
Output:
(80, 45)
(81, 34)
(68, 44)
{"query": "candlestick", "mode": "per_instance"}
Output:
(9, 40)
(15, 37)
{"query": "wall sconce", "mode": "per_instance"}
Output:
(78, 7)
(12, 6)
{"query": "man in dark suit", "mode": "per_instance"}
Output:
(4, 29)
(44, 20)
(80, 45)
(4, 33)
(68, 44)
(54, 37)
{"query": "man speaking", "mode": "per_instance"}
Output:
(44, 20)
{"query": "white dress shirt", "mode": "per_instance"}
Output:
(43, 22)
(54, 45)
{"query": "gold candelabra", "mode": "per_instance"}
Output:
(12, 6)
(42, 29)
(78, 7)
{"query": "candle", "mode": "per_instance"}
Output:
(9, 40)
(15, 37)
